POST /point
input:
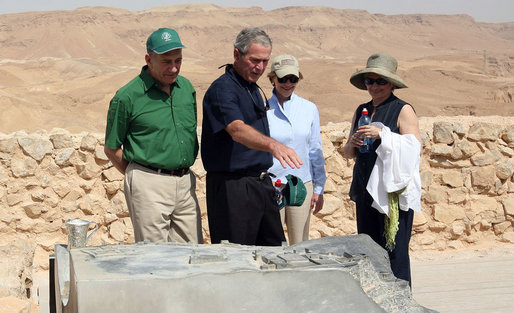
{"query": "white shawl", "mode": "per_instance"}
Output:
(396, 167)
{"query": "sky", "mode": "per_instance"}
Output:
(491, 11)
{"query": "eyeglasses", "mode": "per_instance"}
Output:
(293, 79)
(380, 81)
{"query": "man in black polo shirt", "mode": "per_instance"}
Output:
(237, 150)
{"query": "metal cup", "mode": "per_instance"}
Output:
(77, 232)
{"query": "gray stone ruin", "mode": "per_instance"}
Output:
(331, 274)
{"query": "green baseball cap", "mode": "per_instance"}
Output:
(163, 40)
(294, 192)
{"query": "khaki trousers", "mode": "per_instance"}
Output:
(297, 218)
(162, 207)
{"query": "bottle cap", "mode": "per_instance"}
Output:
(364, 111)
(278, 183)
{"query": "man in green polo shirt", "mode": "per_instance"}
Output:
(151, 138)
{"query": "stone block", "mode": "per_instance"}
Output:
(483, 177)
(508, 134)
(8, 145)
(508, 237)
(63, 158)
(117, 231)
(427, 240)
(88, 170)
(508, 205)
(504, 168)
(486, 158)
(34, 209)
(23, 167)
(435, 194)
(419, 219)
(453, 178)
(331, 205)
(88, 143)
(467, 148)
(500, 228)
(334, 164)
(484, 131)
(62, 141)
(112, 174)
(509, 152)
(448, 213)
(481, 204)
(443, 132)
(441, 150)
(458, 228)
(338, 136)
(458, 195)
(36, 147)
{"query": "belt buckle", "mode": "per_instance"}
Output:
(263, 175)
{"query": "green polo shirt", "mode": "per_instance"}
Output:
(153, 128)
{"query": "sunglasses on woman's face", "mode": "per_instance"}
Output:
(380, 81)
(293, 79)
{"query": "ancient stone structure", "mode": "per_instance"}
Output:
(330, 274)
(48, 177)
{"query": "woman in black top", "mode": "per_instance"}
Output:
(379, 79)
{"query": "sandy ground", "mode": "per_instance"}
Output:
(480, 279)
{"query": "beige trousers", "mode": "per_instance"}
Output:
(297, 218)
(162, 207)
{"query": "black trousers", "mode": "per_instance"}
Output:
(371, 222)
(243, 210)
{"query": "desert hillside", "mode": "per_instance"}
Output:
(60, 68)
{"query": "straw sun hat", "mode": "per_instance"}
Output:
(380, 64)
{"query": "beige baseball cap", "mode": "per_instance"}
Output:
(285, 64)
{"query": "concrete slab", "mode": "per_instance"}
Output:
(317, 276)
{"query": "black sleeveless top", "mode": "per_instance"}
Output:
(387, 113)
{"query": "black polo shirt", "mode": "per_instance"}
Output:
(231, 98)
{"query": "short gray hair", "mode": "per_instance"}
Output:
(248, 35)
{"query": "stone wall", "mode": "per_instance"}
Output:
(467, 175)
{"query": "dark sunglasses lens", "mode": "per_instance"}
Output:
(292, 79)
(379, 81)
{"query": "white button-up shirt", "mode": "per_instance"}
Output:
(296, 125)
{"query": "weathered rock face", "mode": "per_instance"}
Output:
(467, 176)
(16, 269)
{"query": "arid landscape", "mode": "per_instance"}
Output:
(59, 69)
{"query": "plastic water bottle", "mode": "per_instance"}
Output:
(278, 193)
(367, 143)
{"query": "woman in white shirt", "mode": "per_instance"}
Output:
(294, 121)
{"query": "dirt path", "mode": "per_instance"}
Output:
(479, 280)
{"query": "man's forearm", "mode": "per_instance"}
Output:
(253, 139)
(249, 136)
(116, 158)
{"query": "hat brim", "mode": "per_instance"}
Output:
(168, 48)
(357, 78)
(287, 71)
